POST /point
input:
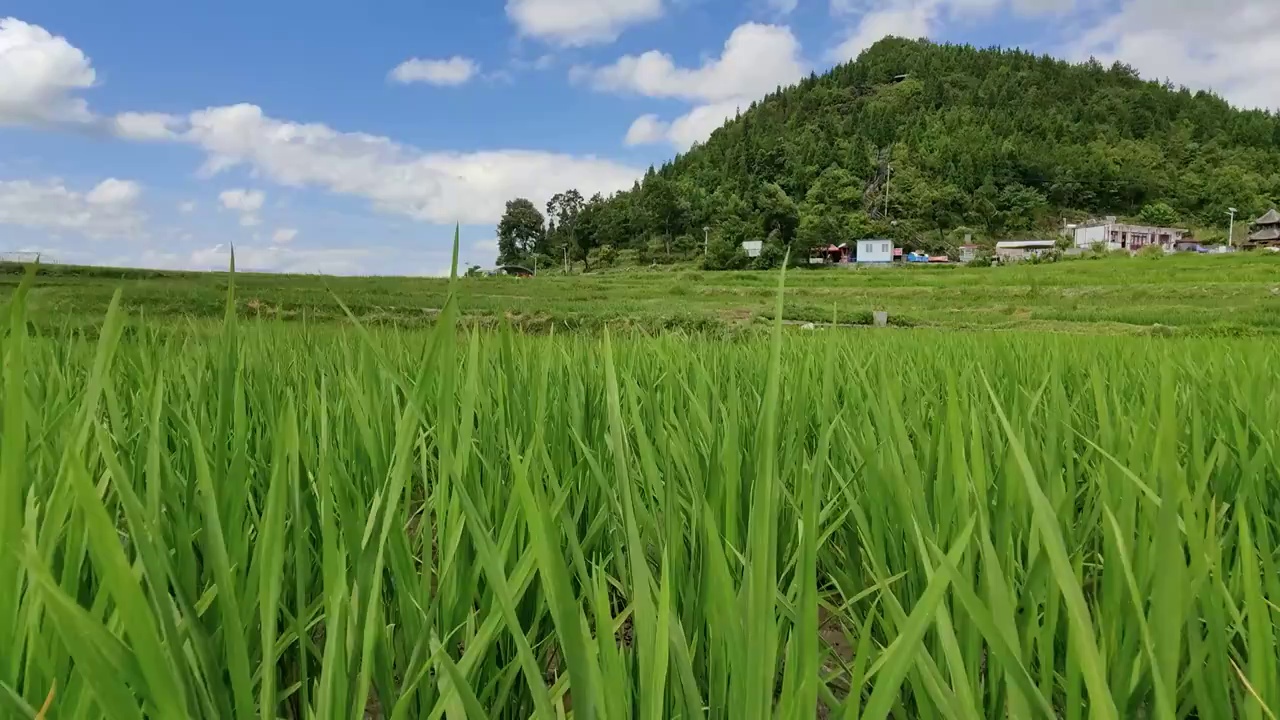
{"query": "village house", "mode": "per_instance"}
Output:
(1017, 250)
(968, 253)
(1265, 232)
(1115, 235)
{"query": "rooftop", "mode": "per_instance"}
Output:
(1025, 244)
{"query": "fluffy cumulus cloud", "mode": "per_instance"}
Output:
(107, 210)
(284, 236)
(908, 20)
(471, 188)
(145, 126)
(756, 60)
(451, 72)
(40, 74)
(580, 22)
(647, 129)
(1227, 46)
(873, 20)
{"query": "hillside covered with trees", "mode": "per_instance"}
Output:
(924, 143)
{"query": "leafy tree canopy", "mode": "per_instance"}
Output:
(915, 139)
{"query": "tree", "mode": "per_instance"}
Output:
(519, 231)
(1005, 141)
(723, 254)
(778, 212)
(772, 253)
(661, 205)
(562, 215)
(1158, 214)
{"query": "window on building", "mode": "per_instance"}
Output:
(884, 247)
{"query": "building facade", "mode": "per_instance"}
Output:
(1115, 235)
(1016, 250)
(875, 251)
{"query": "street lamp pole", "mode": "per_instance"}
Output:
(706, 240)
(1231, 229)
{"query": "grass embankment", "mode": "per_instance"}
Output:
(296, 521)
(1196, 295)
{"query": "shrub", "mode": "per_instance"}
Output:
(724, 255)
(607, 255)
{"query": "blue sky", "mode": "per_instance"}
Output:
(326, 137)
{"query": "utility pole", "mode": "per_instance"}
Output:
(566, 259)
(1231, 229)
(706, 240)
(888, 180)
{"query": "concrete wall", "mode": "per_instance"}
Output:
(1087, 236)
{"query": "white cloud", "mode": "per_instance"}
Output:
(875, 20)
(242, 200)
(146, 126)
(39, 76)
(1227, 46)
(187, 206)
(114, 193)
(646, 130)
(784, 7)
(909, 20)
(274, 258)
(580, 22)
(245, 202)
(756, 60)
(698, 124)
(284, 236)
(108, 210)
(454, 71)
(443, 187)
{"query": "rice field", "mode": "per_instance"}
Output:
(277, 520)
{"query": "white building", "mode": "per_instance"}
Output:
(875, 251)
(1122, 236)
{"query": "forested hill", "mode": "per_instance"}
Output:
(996, 143)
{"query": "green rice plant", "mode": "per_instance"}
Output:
(292, 520)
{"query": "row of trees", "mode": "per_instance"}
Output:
(915, 141)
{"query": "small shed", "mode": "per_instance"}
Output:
(875, 251)
(1015, 250)
(968, 253)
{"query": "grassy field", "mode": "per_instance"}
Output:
(1196, 295)
(309, 521)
